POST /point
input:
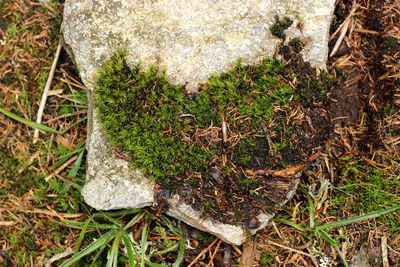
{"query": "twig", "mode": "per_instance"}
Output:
(68, 182)
(385, 260)
(203, 252)
(353, 9)
(269, 139)
(45, 92)
(340, 39)
(59, 256)
(293, 250)
(62, 167)
(215, 252)
(224, 129)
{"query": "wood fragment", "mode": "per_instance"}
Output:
(224, 129)
(365, 31)
(45, 92)
(385, 259)
(249, 252)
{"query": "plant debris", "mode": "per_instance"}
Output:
(215, 146)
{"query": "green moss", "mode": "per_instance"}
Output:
(314, 90)
(280, 26)
(161, 128)
(15, 168)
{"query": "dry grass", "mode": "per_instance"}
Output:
(361, 161)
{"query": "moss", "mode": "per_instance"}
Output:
(16, 169)
(156, 122)
(296, 44)
(177, 138)
(310, 91)
(280, 26)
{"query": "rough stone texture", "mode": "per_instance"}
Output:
(191, 40)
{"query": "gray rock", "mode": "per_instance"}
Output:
(191, 40)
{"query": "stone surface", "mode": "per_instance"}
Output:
(191, 40)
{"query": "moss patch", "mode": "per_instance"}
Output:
(280, 26)
(207, 146)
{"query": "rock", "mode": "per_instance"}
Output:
(191, 40)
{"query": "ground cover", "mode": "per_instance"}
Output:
(356, 173)
(226, 148)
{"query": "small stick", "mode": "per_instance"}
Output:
(62, 167)
(224, 129)
(269, 139)
(45, 92)
(59, 256)
(289, 248)
(203, 252)
(340, 39)
(215, 252)
(385, 260)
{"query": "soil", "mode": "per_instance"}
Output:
(223, 198)
(364, 93)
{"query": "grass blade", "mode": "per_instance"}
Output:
(106, 238)
(28, 122)
(82, 235)
(130, 249)
(358, 218)
(118, 213)
(143, 245)
(112, 259)
(135, 219)
(290, 223)
(79, 225)
(177, 232)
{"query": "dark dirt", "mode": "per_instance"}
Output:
(365, 93)
(229, 201)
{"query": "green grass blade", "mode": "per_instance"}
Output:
(82, 235)
(164, 251)
(79, 148)
(98, 254)
(290, 223)
(106, 238)
(79, 225)
(28, 122)
(181, 252)
(112, 259)
(358, 218)
(72, 125)
(118, 213)
(114, 221)
(311, 210)
(73, 172)
(327, 237)
(148, 263)
(143, 245)
(130, 248)
(331, 241)
(177, 232)
(135, 219)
